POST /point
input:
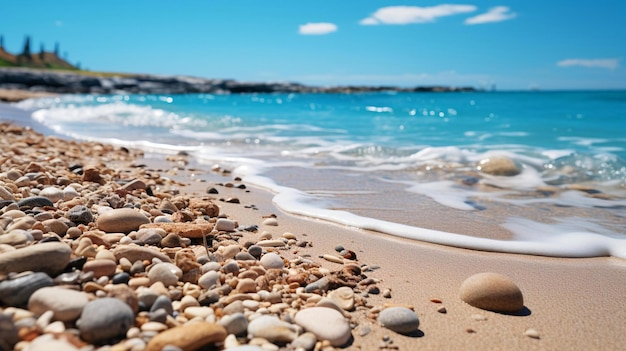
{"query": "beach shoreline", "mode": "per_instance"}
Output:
(573, 304)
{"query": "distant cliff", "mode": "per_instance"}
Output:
(82, 82)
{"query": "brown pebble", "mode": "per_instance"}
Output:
(442, 309)
(435, 300)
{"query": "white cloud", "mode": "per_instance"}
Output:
(495, 14)
(414, 14)
(609, 63)
(319, 28)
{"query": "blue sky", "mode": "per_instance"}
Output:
(512, 44)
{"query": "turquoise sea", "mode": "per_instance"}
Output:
(371, 160)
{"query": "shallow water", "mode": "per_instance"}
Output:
(402, 164)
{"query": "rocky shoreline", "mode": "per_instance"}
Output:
(64, 82)
(100, 252)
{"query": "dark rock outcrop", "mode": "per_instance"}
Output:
(81, 83)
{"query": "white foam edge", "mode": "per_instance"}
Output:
(572, 244)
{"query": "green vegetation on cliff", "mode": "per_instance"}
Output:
(27, 58)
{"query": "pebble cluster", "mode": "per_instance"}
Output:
(97, 255)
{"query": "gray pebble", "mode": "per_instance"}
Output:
(399, 319)
(16, 291)
(255, 251)
(235, 323)
(80, 214)
(163, 302)
(104, 319)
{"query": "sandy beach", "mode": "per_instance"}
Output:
(569, 304)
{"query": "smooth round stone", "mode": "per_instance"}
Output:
(66, 304)
(104, 319)
(492, 292)
(17, 291)
(244, 256)
(209, 279)
(35, 201)
(171, 240)
(272, 261)
(246, 285)
(121, 278)
(235, 323)
(167, 273)
(273, 329)
(139, 253)
(15, 238)
(69, 193)
(198, 311)
(162, 302)
(255, 251)
(80, 215)
(399, 319)
(50, 258)
(163, 219)
(226, 252)
(56, 226)
(100, 268)
(271, 222)
(6, 194)
(500, 166)
(188, 337)
(121, 220)
(52, 193)
(225, 225)
(325, 323)
(231, 267)
(306, 341)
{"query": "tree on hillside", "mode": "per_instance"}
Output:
(56, 48)
(1, 42)
(26, 51)
(41, 53)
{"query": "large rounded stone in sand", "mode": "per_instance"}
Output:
(66, 304)
(104, 319)
(500, 166)
(50, 258)
(326, 323)
(188, 337)
(492, 292)
(121, 220)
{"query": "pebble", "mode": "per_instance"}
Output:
(35, 201)
(325, 323)
(121, 220)
(105, 318)
(8, 331)
(80, 215)
(399, 319)
(273, 329)
(66, 304)
(270, 222)
(532, 333)
(17, 290)
(226, 225)
(492, 292)
(52, 193)
(499, 165)
(271, 243)
(306, 341)
(162, 302)
(139, 253)
(343, 297)
(49, 342)
(100, 268)
(255, 250)
(235, 323)
(272, 261)
(188, 337)
(50, 258)
(209, 279)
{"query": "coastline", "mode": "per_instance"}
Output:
(572, 303)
